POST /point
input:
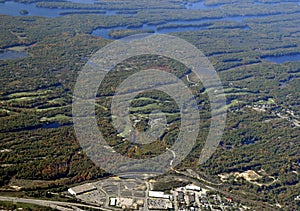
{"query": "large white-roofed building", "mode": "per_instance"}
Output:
(81, 189)
(193, 187)
(159, 194)
(156, 194)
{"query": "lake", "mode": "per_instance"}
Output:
(13, 9)
(54, 125)
(9, 55)
(200, 6)
(104, 32)
(282, 59)
(83, 1)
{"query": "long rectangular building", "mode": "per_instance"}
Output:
(81, 189)
(156, 194)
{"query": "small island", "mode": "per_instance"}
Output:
(23, 12)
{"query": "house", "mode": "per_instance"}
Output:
(192, 198)
(113, 202)
(180, 196)
(230, 200)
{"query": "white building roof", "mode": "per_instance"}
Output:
(156, 194)
(70, 190)
(167, 196)
(82, 189)
(193, 187)
(113, 202)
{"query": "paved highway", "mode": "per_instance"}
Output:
(63, 206)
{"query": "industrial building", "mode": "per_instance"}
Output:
(156, 194)
(193, 187)
(81, 189)
(159, 194)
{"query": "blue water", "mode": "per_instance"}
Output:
(13, 8)
(111, 13)
(200, 6)
(83, 1)
(54, 125)
(51, 125)
(274, 3)
(9, 55)
(282, 59)
(104, 32)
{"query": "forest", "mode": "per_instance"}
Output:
(39, 150)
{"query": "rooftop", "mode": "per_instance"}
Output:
(82, 189)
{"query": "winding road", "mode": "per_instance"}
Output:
(174, 155)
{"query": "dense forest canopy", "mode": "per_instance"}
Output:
(38, 142)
